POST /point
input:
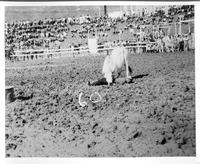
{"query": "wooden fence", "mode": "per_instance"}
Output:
(81, 51)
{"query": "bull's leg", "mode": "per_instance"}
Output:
(118, 72)
(127, 68)
(130, 69)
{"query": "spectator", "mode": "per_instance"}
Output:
(43, 33)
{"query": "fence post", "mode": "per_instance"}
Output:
(189, 27)
(169, 28)
(92, 44)
(175, 31)
(153, 29)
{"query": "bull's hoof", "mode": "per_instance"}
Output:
(120, 80)
(128, 80)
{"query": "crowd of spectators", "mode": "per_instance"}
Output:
(66, 32)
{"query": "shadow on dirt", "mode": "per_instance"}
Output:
(118, 80)
(139, 76)
(23, 98)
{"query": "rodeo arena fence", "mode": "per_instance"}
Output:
(178, 28)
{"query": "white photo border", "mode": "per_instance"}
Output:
(141, 160)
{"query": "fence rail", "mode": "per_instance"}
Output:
(100, 48)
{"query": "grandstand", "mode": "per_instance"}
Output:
(69, 31)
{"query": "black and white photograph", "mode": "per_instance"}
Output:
(100, 80)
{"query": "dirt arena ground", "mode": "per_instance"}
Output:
(152, 116)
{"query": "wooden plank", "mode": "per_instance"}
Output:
(9, 94)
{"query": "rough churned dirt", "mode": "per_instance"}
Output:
(152, 116)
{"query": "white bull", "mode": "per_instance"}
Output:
(114, 62)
